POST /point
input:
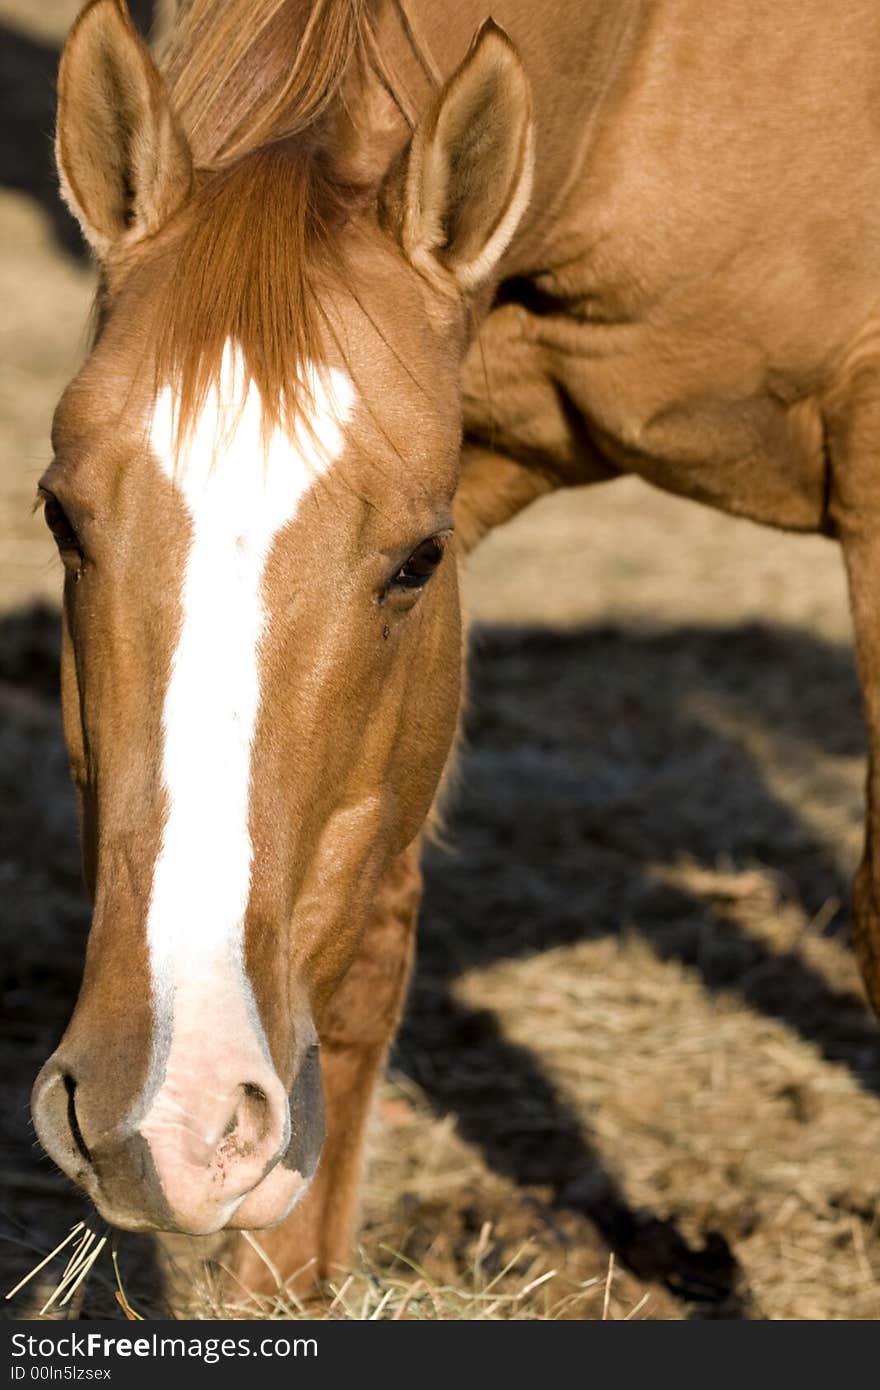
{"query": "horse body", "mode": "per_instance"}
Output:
(687, 310)
(645, 237)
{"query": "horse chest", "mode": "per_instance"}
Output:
(703, 420)
(679, 389)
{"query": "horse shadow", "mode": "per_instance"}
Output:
(586, 763)
(28, 71)
(573, 743)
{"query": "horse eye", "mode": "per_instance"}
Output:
(417, 570)
(59, 524)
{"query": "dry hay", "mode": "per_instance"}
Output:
(719, 1120)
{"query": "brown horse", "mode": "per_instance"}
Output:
(374, 275)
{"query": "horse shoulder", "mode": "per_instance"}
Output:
(711, 266)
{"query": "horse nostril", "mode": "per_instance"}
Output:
(54, 1111)
(249, 1124)
(72, 1121)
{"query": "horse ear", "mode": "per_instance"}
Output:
(123, 162)
(468, 173)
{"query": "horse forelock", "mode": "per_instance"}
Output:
(246, 259)
(251, 266)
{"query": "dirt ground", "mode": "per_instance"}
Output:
(636, 1026)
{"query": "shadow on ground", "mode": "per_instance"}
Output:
(588, 763)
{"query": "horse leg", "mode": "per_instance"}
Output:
(355, 1030)
(854, 508)
(862, 552)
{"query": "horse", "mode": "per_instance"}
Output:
(374, 275)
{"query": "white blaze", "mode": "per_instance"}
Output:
(239, 490)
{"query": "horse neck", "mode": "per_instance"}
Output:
(573, 51)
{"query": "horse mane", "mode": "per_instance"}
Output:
(245, 73)
(250, 81)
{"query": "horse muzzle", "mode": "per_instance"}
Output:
(211, 1150)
